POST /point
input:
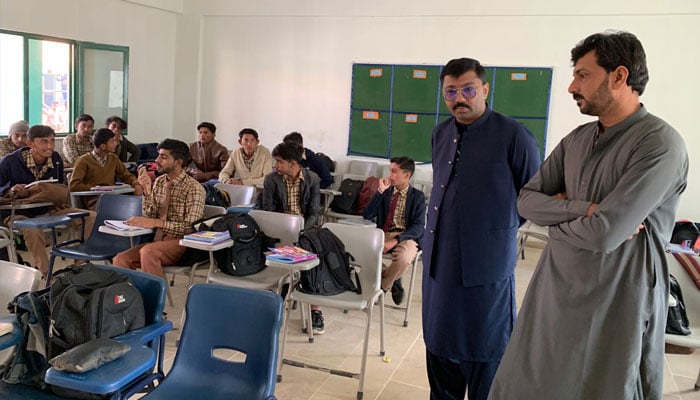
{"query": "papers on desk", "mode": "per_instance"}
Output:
(207, 237)
(290, 254)
(51, 180)
(120, 225)
(5, 328)
(108, 188)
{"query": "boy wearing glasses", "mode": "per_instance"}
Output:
(481, 159)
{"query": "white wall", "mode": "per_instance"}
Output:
(282, 66)
(148, 29)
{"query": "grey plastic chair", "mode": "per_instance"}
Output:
(238, 194)
(14, 279)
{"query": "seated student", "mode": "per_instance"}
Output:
(16, 138)
(294, 190)
(126, 151)
(170, 205)
(310, 160)
(251, 162)
(100, 167)
(38, 161)
(400, 212)
(208, 155)
(79, 143)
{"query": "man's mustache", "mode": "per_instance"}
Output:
(578, 97)
(465, 105)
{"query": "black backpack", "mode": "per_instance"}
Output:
(29, 362)
(327, 160)
(346, 202)
(214, 196)
(88, 302)
(246, 256)
(677, 319)
(333, 273)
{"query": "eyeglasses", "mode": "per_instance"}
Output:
(467, 92)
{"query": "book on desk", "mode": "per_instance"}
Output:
(290, 254)
(207, 237)
(108, 188)
(120, 225)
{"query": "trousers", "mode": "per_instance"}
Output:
(151, 257)
(401, 257)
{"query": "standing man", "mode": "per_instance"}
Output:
(79, 143)
(208, 155)
(126, 151)
(16, 138)
(481, 159)
(294, 190)
(400, 212)
(251, 162)
(170, 205)
(37, 161)
(593, 319)
(100, 167)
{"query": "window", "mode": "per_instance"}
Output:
(49, 81)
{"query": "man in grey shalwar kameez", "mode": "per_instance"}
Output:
(592, 324)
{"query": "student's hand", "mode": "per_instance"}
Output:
(19, 191)
(138, 190)
(145, 222)
(384, 184)
(144, 180)
(591, 209)
(561, 196)
(234, 181)
(390, 244)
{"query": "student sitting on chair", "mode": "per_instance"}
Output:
(36, 162)
(16, 138)
(170, 205)
(400, 212)
(126, 151)
(294, 190)
(310, 160)
(80, 142)
(208, 156)
(251, 162)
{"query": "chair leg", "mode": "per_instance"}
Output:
(170, 296)
(52, 260)
(697, 382)
(410, 291)
(285, 324)
(365, 345)
(382, 300)
(309, 323)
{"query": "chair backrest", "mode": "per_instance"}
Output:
(238, 194)
(15, 279)
(251, 326)
(285, 227)
(152, 290)
(366, 245)
(212, 211)
(114, 206)
(364, 168)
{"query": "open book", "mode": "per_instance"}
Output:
(120, 225)
(108, 188)
(51, 180)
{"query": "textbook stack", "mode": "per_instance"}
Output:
(207, 237)
(290, 254)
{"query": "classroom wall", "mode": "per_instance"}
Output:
(282, 66)
(147, 27)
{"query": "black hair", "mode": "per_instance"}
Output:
(117, 119)
(459, 66)
(288, 152)
(295, 138)
(102, 136)
(247, 131)
(614, 49)
(208, 125)
(40, 131)
(178, 149)
(405, 163)
(84, 117)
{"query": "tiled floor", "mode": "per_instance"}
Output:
(402, 375)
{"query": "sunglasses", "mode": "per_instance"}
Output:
(466, 92)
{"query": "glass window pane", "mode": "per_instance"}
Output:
(55, 73)
(103, 83)
(11, 80)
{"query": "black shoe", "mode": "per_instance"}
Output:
(317, 322)
(397, 292)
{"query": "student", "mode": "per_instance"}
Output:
(208, 156)
(400, 211)
(170, 205)
(80, 142)
(292, 189)
(100, 167)
(593, 319)
(37, 161)
(251, 162)
(310, 160)
(16, 138)
(126, 151)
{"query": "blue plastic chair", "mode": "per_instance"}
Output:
(127, 375)
(100, 246)
(251, 326)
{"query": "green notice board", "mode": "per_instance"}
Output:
(394, 108)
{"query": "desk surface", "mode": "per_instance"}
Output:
(123, 190)
(25, 206)
(299, 266)
(127, 233)
(206, 246)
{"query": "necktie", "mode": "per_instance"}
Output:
(163, 212)
(392, 209)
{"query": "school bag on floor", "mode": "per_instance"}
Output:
(333, 275)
